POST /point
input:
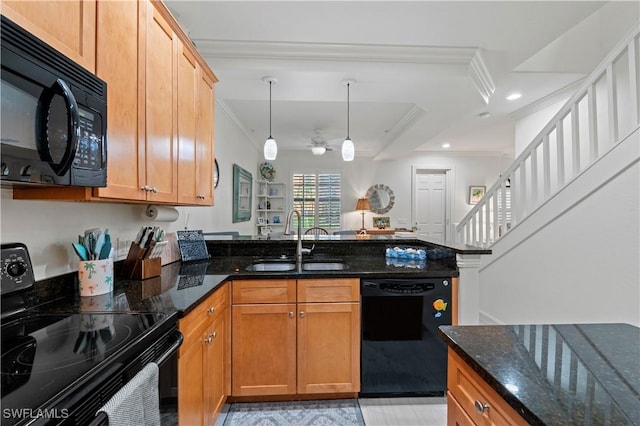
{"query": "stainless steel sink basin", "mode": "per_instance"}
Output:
(324, 266)
(271, 267)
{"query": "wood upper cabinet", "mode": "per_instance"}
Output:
(117, 64)
(204, 360)
(160, 71)
(68, 26)
(205, 153)
(195, 130)
(311, 342)
(160, 108)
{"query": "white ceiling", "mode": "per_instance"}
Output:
(424, 70)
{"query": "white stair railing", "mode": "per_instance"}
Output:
(604, 111)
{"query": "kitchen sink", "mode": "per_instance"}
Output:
(271, 267)
(324, 266)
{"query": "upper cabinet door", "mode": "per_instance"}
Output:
(187, 79)
(68, 26)
(161, 108)
(204, 138)
(117, 64)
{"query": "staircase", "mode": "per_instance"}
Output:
(604, 112)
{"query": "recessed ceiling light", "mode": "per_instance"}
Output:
(514, 96)
(446, 145)
(484, 115)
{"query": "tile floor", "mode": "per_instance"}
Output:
(395, 412)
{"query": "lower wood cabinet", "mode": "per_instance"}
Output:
(204, 360)
(295, 337)
(471, 401)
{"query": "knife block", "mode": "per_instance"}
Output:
(138, 268)
(147, 268)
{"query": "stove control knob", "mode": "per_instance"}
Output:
(16, 268)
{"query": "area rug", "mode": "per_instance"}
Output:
(338, 412)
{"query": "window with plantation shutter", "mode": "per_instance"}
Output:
(317, 197)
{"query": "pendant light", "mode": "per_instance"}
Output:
(270, 146)
(348, 150)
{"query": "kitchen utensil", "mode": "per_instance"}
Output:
(81, 251)
(106, 247)
(98, 246)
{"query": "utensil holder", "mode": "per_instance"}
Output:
(95, 277)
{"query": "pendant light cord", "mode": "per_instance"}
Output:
(348, 84)
(270, 82)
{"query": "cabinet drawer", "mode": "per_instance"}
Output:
(467, 387)
(205, 312)
(264, 291)
(327, 290)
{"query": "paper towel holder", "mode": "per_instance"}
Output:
(161, 213)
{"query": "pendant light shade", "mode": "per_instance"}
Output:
(270, 145)
(348, 150)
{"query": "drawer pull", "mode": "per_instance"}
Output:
(301, 314)
(480, 407)
(208, 340)
(214, 334)
(211, 310)
(291, 315)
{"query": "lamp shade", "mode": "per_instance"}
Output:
(363, 204)
(270, 149)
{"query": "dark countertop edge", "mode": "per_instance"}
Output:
(455, 247)
(246, 275)
(503, 392)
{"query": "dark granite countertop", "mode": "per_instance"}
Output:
(557, 374)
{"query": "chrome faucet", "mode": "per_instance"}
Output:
(287, 231)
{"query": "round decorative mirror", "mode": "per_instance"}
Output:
(216, 174)
(381, 198)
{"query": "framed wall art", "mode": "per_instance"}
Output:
(476, 193)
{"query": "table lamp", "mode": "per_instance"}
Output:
(363, 206)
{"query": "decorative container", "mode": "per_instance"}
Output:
(95, 277)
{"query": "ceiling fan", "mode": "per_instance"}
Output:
(319, 144)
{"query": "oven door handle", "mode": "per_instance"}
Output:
(73, 127)
(174, 347)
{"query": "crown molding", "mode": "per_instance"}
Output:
(404, 123)
(480, 77)
(234, 119)
(211, 49)
(550, 99)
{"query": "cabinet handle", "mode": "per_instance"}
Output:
(301, 314)
(214, 334)
(208, 340)
(211, 310)
(480, 407)
(154, 189)
(145, 188)
(291, 315)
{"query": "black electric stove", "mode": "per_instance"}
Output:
(61, 368)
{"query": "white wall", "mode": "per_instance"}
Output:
(576, 259)
(48, 227)
(360, 174)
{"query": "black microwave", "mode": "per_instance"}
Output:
(53, 115)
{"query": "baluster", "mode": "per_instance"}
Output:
(560, 151)
(496, 223)
(522, 211)
(593, 123)
(612, 98)
(633, 80)
(480, 223)
(546, 167)
(534, 177)
(575, 139)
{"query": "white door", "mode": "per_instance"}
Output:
(430, 204)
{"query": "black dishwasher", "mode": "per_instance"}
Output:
(401, 353)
